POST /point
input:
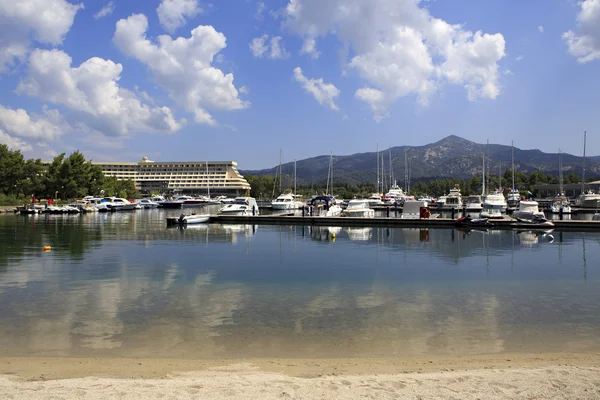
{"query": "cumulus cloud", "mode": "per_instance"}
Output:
(399, 49)
(273, 49)
(41, 127)
(183, 67)
(585, 43)
(108, 9)
(46, 21)
(91, 91)
(324, 93)
(309, 46)
(14, 143)
(173, 14)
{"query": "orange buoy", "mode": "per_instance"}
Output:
(47, 248)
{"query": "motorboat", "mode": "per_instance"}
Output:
(193, 219)
(395, 195)
(286, 201)
(199, 201)
(529, 211)
(495, 201)
(147, 203)
(412, 209)
(359, 208)
(375, 200)
(513, 198)
(441, 201)
(490, 213)
(588, 200)
(68, 209)
(119, 204)
(241, 206)
(427, 200)
(468, 221)
(474, 203)
(454, 199)
(325, 206)
(99, 203)
(560, 204)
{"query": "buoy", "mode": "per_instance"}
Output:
(333, 234)
(47, 248)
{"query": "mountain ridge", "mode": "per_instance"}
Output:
(450, 157)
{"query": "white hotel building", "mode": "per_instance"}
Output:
(190, 177)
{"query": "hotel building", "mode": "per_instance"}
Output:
(189, 177)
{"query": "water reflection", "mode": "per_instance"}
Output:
(130, 287)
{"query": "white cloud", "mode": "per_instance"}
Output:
(540, 28)
(324, 93)
(585, 44)
(519, 58)
(46, 21)
(260, 9)
(173, 14)
(399, 49)
(92, 93)
(183, 67)
(108, 9)
(244, 90)
(261, 46)
(19, 123)
(13, 143)
(309, 46)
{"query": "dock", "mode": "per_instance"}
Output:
(504, 223)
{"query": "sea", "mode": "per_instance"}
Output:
(125, 285)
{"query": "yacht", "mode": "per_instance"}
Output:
(395, 195)
(560, 204)
(427, 200)
(513, 198)
(286, 201)
(474, 203)
(495, 201)
(241, 206)
(359, 208)
(99, 203)
(529, 211)
(375, 200)
(147, 203)
(119, 204)
(325, 206)
(588, 200)
(441, 201)
(454, 199)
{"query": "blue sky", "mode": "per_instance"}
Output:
(240, 79)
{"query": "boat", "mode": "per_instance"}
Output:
(286, 201)
(146, 203)
(241, 206)
(395, 195)
(427, 200)
(375, 200)
(589, 200)
(325, 206)
(119, 204)
(193, 219)
(468, 221)
(529, 211)
(441, 201)
(454, 199)
(412, 209)
(560, 204)
(495, 201)
(514, 197)
(474, 203)
(359, 208)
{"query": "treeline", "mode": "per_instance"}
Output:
(262, 186)
(67, 177)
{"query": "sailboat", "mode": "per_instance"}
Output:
(286, 200)
(560, 202)
(326, 205)
(587, 199)
(514, 197)
(375, 198)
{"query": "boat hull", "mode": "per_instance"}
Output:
(359, 213)
(591, 203)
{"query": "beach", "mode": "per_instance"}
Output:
(499, 376)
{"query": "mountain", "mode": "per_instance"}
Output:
(451, 157)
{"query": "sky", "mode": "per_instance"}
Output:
(192, 80)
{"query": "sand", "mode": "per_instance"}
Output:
(521, 376)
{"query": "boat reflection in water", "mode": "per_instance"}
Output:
(359, 234)
(532, 238)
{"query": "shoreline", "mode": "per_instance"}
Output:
(500, 376)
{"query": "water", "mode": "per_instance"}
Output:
(124, 285)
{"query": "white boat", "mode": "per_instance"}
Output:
(119, 204)
(286, 201)
(588, 200)
(359, 208)
(560, 204)
(495, 201)
(99, 203)
(375, 200)
(474, 203)
(529, 211)
(193, 219)
(454, 199)
(513, 198)
(427, 200)
(395, 195)
(241, 206)
(147, 203)
(441, 201)
(325, 206)
(412, 209)
(490, 212)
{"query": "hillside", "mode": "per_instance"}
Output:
(451, 157)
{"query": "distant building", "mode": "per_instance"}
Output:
(185, 177)
(571, 189)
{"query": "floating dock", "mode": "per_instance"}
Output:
(504, 223)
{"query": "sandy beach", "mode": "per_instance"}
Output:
(518, 376)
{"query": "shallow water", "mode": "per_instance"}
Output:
(123, 284)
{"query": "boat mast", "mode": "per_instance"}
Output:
(483, 176)
(382, 175)
(487, 183)
(331, 167)
(500, 176)
(583, 172)
(207, 180)
(560, 172)
(391, 169)
(295, 177)
(405, 171)
(280, 174)
(512, 149)
(328, 175)
(377, 187)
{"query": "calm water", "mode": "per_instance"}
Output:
(123, 284)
